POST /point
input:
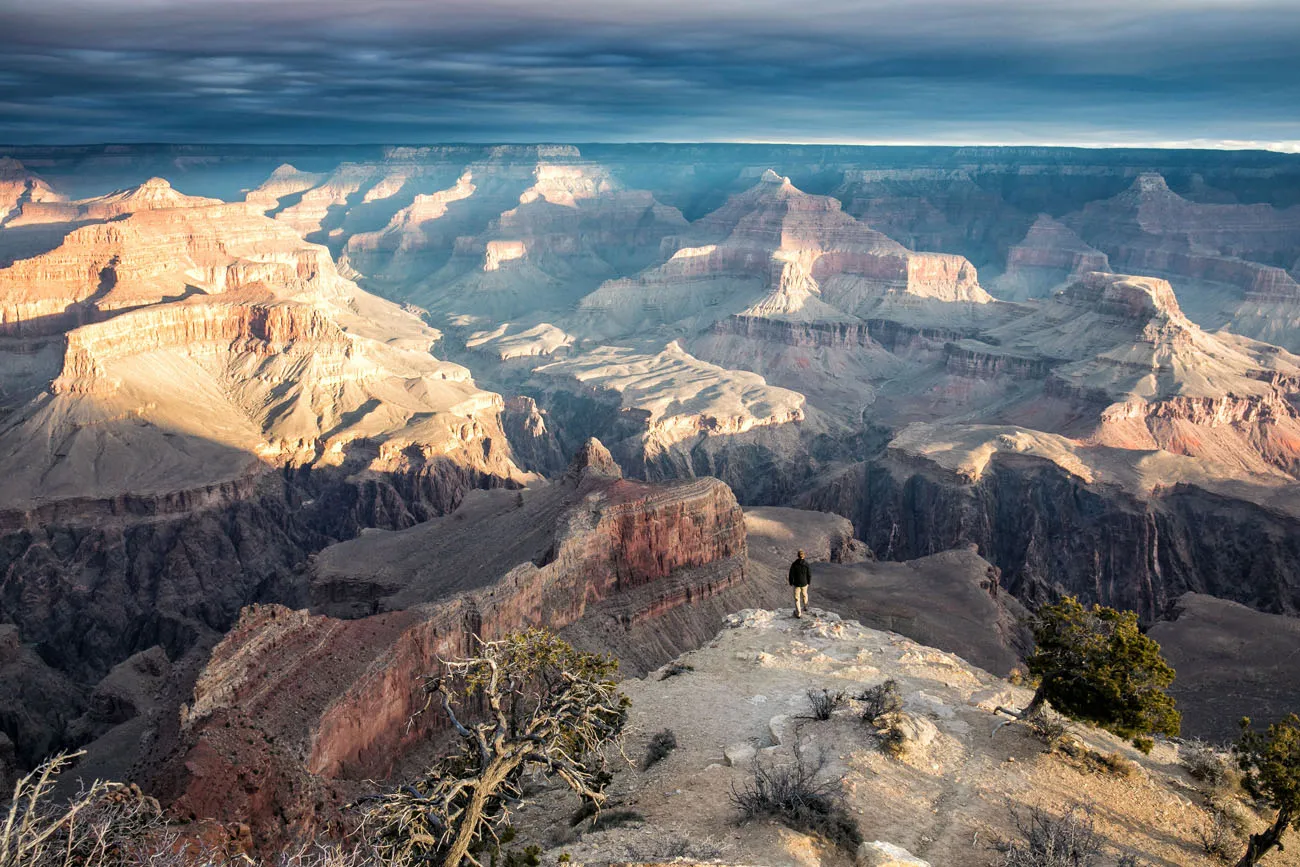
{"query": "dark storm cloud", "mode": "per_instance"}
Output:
(928, 70)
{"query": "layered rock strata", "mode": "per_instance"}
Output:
(195, 400)
(608, 561)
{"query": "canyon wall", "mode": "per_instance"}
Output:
(1050, 532)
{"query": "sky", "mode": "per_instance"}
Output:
(1206, 73)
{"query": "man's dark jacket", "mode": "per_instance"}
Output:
(800, 574)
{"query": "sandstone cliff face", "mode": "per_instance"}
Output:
(934, 209)
(763, 238)
(20, 188)
(153, 194)
(154, 256)
(570, 228)
(1133, 372)
(533, 443)
(622, 556)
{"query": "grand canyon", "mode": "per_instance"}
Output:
(282, 428)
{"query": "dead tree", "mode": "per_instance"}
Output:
(546, 707)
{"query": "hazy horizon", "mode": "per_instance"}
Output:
(1203, 73)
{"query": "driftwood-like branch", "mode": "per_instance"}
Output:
(547, 707)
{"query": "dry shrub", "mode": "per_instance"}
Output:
(891, 738)
(880, 701)
(115, 825)
(1221, 833)
(103, 825)
(1068, 840)
(1115, 765)
(660, 746)
(1111, 764)
(1207, 765)
(608, 819)
(882, 707)
(792, 794)
(674, 669)
(674, 848)
(824, 703)
(1048, 728)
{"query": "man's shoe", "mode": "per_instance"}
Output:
(796, 614)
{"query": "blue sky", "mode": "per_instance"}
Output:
(1140, 72)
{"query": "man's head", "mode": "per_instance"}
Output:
(800, 553)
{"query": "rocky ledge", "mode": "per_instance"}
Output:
(743, 699)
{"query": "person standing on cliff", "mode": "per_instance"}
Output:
(800, 578)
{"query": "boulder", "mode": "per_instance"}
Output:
(878, 854)
(739, 754)
(917, 730)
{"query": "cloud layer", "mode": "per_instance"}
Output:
(415, 71)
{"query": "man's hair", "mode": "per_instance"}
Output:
(801, 552)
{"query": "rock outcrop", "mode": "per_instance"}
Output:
(1050, 255)
(934, 209)
(1153, 378)
(154, 194)
(19, 188)
(571, 228)
(644, 571)
(774, 237)
(1149, 229)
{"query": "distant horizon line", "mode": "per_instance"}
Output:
(1284, 148)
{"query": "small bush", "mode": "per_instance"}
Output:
(530, 856)
(615, 818)
(880, 701)
(882, 707)
(791, 794)
(1112, 764)
(1221, 834)
(675, 669)
(1048, 729)
(892, 739)
(1068, 840)
(672, 849)
(1205, 764)
(824, 703)
(1115, 765)
(660, 746)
